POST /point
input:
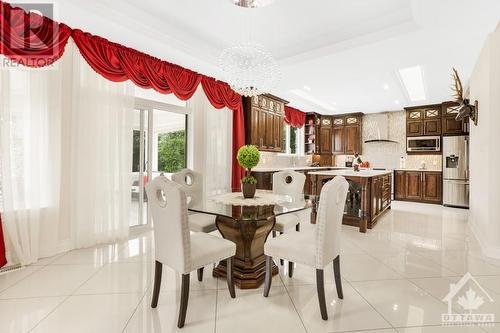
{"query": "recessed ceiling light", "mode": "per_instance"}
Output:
(307, 88)
(386, 86)
(396, 102)
(413, 81)
(311, 99)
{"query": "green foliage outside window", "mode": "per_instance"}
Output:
(172, 151)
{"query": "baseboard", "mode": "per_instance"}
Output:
(487, 249)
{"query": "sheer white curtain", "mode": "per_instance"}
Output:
(65, 156)
(211, 142)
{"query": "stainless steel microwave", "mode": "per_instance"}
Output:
(423, 144)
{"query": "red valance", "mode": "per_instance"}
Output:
(30, 39)
(294, 117)
(3, 259)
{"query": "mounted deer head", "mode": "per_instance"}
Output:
(465, 109)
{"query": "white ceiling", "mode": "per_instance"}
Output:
(346, 51)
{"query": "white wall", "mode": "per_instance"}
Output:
(484, 84)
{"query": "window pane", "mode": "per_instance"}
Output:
(293, 140)
(170, 136)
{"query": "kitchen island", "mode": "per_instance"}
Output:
(368, 198)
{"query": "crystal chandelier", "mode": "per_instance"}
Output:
(249, 69)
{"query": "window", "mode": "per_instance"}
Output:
(291, 140)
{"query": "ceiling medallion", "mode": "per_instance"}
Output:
(248, 67)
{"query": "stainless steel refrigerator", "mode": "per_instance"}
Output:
(456, 171)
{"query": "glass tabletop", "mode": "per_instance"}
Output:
(263, 206)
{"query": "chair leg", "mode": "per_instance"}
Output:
(282, 262)
(297, 227)
(184, 300)
(157, 283)
(338, 279)
(269, 275)
(229, 276)
(274, 234)
(320, 286)
(200, 274)
(290, 269)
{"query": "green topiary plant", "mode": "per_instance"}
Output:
(248, 157)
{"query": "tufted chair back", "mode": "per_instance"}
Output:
(167, 203)
(329, 220)
(289, 182)
(192, 184)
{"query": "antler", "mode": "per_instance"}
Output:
(457, 87)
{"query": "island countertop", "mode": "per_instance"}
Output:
(352, 173)
(301, 168)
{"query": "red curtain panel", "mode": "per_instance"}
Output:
(294, 117)
(3, 259)
(37, 41)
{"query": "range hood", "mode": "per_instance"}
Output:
(379, 129)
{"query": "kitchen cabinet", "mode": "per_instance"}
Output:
(325, 135)
(423, 120)
(346, 134)
(311, 133)
(418, 186)
(264, 121)
(380, 194)
(451, 126)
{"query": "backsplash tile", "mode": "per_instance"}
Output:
(276, 160)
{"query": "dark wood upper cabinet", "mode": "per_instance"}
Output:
(451, 126)
(325, 140)
(352, 141)
(432, 187)
(264, 121)
(414, 128)
(423, 120)
(338, 140)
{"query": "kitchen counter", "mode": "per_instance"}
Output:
(276, 169)
(369, 194)
(352, 173)
(416, 169)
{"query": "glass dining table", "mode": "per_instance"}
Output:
(248, 223)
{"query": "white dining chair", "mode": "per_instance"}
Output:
(290, 183)
(318, 247)
(176, 247)
(192, 184)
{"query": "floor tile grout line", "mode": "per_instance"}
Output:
(135, 310)
(65, 299)
(293, 303)
(371, 305)
(40, 267)
(216, 303)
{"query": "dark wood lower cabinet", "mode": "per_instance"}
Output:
(418, 186)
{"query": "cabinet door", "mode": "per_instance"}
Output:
(338, 140)
(413, 185)
(262, 128)
(432, 185)
(352, 138)
(375, 192)
(432, 127)
(278, 132)
(254, 127)
(451, 126)
(415, 128)
(325, 140)
(270, 139)
(400, 185)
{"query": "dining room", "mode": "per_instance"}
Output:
(249, 166)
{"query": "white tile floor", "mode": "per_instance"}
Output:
(394, 278)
